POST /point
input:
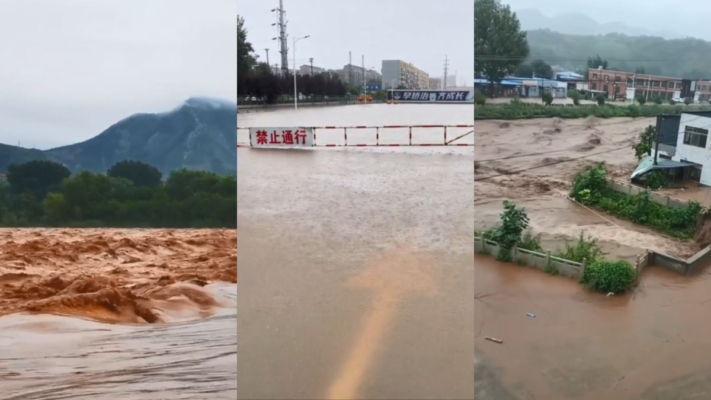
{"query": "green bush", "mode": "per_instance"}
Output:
(657, 180)
(479, 98)
(521, 110)
(600, 98)
(672, 102)
(547, 98)
(576, 96)
(609, 276)
(646, 140)
(514, 222)
(590, 188)
(585, 248)
(687, 100)
(641, 99)
(657, 100)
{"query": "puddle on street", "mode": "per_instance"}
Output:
(650, 344)
(358, 264)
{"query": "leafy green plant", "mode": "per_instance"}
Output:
(516, 101)
(514, 222)
(672, 102)
(657, 100)
(646, 140)
(641, 100)
(609, 276)
(590, 188)
(479, 98)
(547, 98)
(550, 269)
(576, 96)
(600, 98)
(657, 180)
(687, 101)
(585, 248)
(530, 242)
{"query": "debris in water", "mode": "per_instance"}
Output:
(610, 294)
(495, 340)
(531, 315)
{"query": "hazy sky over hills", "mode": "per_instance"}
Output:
(71, 68)
(654, 16)
(418, 31)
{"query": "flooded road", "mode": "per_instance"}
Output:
(118, 313)
(649, 345)
(357, 264)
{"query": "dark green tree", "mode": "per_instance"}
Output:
(245, 55)
(499, 44)
(524, 71)
(596, 62)
(541, 69)
(140, 173)
(36, 177)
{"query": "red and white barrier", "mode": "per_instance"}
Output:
(263, 137)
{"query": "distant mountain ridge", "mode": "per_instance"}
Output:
(580, 24)
(198, 134)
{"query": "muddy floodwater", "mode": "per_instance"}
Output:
(357, 263)
(533, 162)
(118, 313)
(652, 344)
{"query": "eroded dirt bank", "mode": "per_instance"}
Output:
(115, 275)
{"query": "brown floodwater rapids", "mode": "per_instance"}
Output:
(118, 313)
(503, 147)
(650, 344)
(356, 264)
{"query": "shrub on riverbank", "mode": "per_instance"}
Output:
(523, 110)
(609, 276)
(590, 188)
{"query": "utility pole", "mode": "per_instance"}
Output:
(446, 65)
(311, 60)
(267, 50)
(350, 69)
(362, 61)
(284, 51)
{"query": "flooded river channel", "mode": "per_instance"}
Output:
(356, 263)
(648, 345)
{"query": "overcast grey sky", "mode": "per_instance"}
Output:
(418, 31)
(71, 68)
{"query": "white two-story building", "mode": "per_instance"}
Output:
(693, 145)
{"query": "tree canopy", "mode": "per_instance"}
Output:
(499, 44)
(683, 58)
(36, 177)
(139, 173)
(188, 198)
(537, 68)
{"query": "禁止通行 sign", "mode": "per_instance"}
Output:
(281, 137)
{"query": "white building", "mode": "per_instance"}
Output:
(693, 146)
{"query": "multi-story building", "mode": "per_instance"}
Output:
(398, 72)
(619, 84)
(435, 83)
(353, 75)
(310, 70)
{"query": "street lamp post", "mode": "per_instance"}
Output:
(296, 93)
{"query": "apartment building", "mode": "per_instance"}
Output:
(435, 83)
(617, 83)
(398, 72)
(310, 70)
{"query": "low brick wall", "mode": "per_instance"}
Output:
(655, 197)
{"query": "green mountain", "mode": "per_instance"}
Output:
(18, 155)
(685, 58)
(199, 134)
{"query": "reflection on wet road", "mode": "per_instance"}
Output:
(357, 265)
(51, 357)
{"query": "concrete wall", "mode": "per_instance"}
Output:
(535, 259)
(655, 197)
(694, 154)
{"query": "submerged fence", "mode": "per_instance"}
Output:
(357, 136)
